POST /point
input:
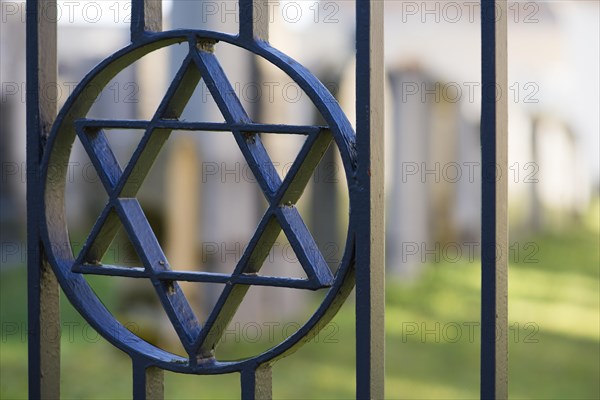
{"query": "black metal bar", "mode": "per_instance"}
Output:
(137, 20)
(201, 126)
(33, 243)
(494, 349)
(488, 207)
(246, 19)
(42, 288)
(363, 277)
(146, 16)
(148, 381)
(370, 286)
(257, 383)
(254, 20)
(195, 276)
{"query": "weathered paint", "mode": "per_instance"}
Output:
(362, 163)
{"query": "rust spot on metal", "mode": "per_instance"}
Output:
(207, 45)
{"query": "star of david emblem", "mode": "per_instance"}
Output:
(124, 210)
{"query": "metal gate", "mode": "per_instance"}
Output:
(52, 263)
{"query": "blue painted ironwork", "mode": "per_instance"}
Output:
(47, 229)
(494, 307)
(122, 184)
(34, 209)
(122, 209)
(370, 264)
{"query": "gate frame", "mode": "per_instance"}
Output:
(43, 289)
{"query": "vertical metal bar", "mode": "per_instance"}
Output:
(42, 287)
(146, 16)
(254, 20)
(148, 382)
(370, 280)
(494, 220)
(257, 383)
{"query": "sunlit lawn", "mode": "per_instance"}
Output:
(432, 337)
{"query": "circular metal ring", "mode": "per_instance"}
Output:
(55, 234)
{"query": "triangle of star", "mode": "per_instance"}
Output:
(204, 64)
(124, 210)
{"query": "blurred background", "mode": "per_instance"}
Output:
(204, 204)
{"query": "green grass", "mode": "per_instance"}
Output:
(554, 337)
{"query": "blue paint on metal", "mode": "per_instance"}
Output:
(122, 208)
(137, 20)
(46, 198)
(489, 323)
(34, 207)
(47, 234)
(96, 145)
(172, 298)
(201, 126)
(247, 18)
(364, 306)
